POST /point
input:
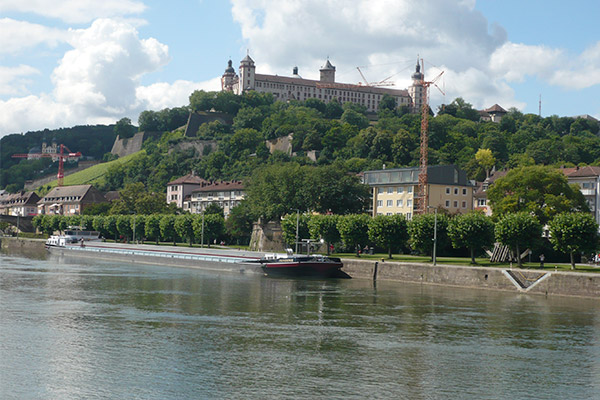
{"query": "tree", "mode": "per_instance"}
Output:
(485, 158)
(212, 226)
(184, 225)
(325, 227)
(98, 225)
(288, 225)
(167, 228)
(124, 129)
(152, 227)
(124, 226)
(387, 102)
(518, 230)
(214, 208)
(574, 233)
(473, 230)
(540, 190)
(201, 100)
(388, 231)
(239, 223)
(421, 230)
(138, 225)
(110, 225)
(354, 230)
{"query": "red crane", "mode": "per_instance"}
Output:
(62, 157)
(423, 195)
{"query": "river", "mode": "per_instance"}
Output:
(84, 329)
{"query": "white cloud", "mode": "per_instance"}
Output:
(18, 36)
(386, 34)
(162, 95)
(97, 81)
(100, 75)
(514, 62)
(13, 80)
(74, 11)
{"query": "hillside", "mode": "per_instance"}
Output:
(93, 175)
(92, 140)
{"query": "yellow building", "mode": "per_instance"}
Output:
(394, 190)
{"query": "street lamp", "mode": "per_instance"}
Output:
(434, 233)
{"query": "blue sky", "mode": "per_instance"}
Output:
(69, 62)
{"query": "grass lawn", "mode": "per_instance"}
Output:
(92, 174)
(466, 261)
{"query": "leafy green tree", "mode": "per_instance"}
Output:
(355, 118)
(37, 221)
(110, 226)
(124, 129)
(387, 102)
(148, 121)
(202, 101)
(354, 230)
(325, 227)
(333, 109)
(214, 208)
(209, 228)
(486, 159)
(518, 230)
(167, 228)
(421, 230)
(184, 225)
(152, 227)
(473, 230)
(388, 231)
(239, 223)
(98, 225)
(288, 226)
(543, 191)
(124, 226)
(574, 233)
(86, 222)
(138, 226)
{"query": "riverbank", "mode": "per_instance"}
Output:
(574, 284)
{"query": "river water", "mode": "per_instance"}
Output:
(84, 329)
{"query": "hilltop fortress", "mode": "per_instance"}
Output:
(325, 89)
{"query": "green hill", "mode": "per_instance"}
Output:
(92, 175)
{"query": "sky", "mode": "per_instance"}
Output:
(77, 62)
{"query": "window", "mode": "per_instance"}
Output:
(464, 204)
(390, 203)
(410, 189)
(390, 190)
(409, 203)
(409, 216)
(379, 203)
(379, 190)
(464, 191)
(400, 189)
(447, 190)
(456, 191)
(399, 203)
(481, 202)
(455, 204)
(447, 203)
(389, 214)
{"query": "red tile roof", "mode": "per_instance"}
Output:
(222, 186)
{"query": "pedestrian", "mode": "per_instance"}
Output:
(542, 258)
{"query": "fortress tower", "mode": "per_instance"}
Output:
(229, 80)
(327, 73)
(247, 75)
(416, 89)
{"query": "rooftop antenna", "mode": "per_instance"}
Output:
(540, 106)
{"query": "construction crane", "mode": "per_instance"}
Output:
(374, 84)
(423, 194)
(62, 157)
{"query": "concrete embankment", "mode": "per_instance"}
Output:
(578, 284)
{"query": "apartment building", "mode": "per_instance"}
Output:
(394, 190)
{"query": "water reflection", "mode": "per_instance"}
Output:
(84, 329)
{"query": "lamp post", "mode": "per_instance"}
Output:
(434, 233)
(202, 234)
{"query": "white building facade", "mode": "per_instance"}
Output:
(297, 88)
